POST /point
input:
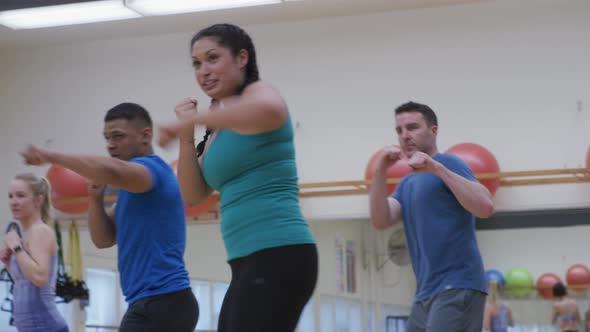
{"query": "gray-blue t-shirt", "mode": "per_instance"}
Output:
(440, 232)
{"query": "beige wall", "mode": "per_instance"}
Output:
(504, 74)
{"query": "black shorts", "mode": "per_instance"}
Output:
(177, 311)
(269, 289)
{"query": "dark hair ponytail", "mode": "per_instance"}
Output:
(201, 146)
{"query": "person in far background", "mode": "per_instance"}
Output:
(32, 259)
(565, 310)
(497, 315)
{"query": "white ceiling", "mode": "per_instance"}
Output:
(289, 11)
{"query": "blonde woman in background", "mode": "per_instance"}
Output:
(32, 259)
(497, 315)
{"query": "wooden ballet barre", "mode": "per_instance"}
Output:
(359, 187)
(585, 172)
(581, 286)
(544, 172)
(535, 177)
(553, 180)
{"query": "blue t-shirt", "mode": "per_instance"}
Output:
(151, 235)
(256, 176)
(440, 232)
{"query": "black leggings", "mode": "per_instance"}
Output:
(177, 311)
(269, 289)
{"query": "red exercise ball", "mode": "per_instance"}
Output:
(195, 211)
(67, 184)
(578, 275)
(545, 285)
(397, 170)
(480, 160)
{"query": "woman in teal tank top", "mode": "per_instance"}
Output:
(248, 156)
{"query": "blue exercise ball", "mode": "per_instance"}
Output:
(495, 275)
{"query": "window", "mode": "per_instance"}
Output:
(202, 291)
(122, 304)
(102, 285)
(396, 323)
(307, 319)
(219, 290)
(370, 317)
(393, 318)
(326, 315)
(340, 314)
(67, 312)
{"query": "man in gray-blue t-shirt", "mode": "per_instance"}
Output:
(438, 203)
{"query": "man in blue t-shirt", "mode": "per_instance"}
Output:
(147, 222)
(437, 203)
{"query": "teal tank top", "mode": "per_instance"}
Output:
(256, 177)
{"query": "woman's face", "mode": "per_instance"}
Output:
(218, 72)
(22, 202)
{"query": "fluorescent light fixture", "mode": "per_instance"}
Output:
(77, 13)
(166, 7)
